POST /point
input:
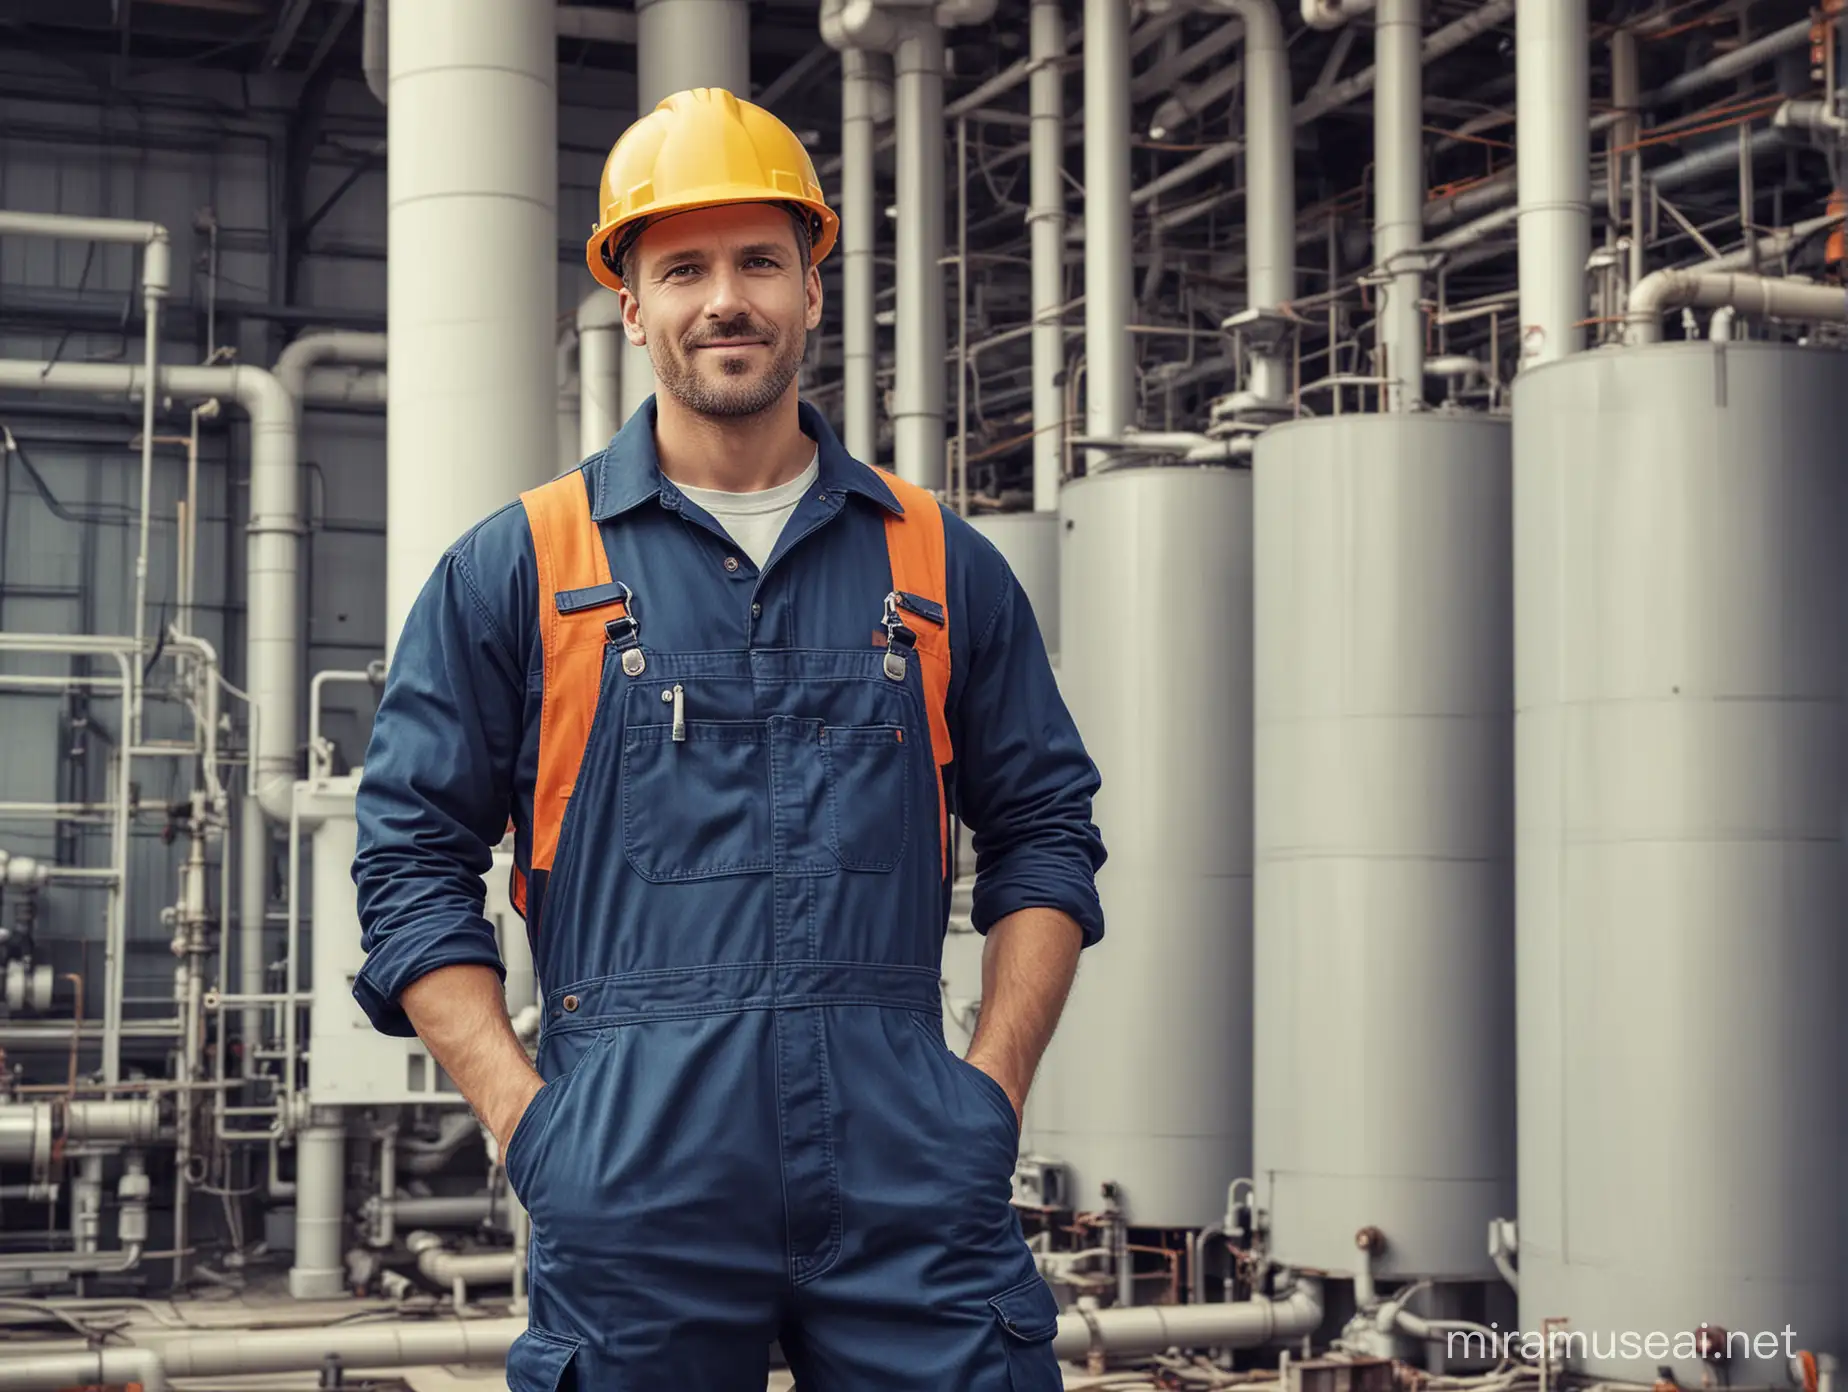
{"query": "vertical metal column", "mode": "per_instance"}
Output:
(1110, 381)
(1552, 114)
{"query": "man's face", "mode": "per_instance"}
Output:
(722, 301)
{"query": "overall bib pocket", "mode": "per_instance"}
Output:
(869, 795)
(696, 800)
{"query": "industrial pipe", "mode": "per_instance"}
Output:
(1440, 42)
(1398, 226)
(471, 274)
(191, 1354)
(1553, 109)
(596, 25)
(28, 1129)
(1332, 14)
(1142, 1329)
(861, 78)
(113, 1367)
(600, 352)
(1046, 228)
(918, 391)
(916, 44)
(320, 1209)
(374, 46)
(1759, 297)
(457, 1271)
(1743, 59)
(1109, 267)
(680, 44)
(1270, 201)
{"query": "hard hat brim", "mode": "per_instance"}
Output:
(597, 250)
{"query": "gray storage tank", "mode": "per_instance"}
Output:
(1029, 542)
(1384, 934)
(1148, 1080)
(1681, 552)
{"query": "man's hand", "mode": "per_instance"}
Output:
(503, 1121)
(460, 1013)
(1027, 967)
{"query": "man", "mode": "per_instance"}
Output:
(729, 684)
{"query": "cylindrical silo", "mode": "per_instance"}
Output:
(1029, 543)
(1681, 514)
(1148, 1080)
(1384, 937)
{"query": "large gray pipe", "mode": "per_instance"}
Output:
(681, 44)
(471, 280)
(1270, 205)
(112, 1367)
(918, 393)
(600, 361)
(320, 1210)
(274, 650)
(1046, 229)
(1552, 113)
(28, 1129)
(861, 79)
(1758, 297)
(1398, 227)
(1139, 1329)
(1109, 304)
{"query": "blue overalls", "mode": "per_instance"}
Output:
(751, 1127)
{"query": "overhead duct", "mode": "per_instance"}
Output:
(471, 274)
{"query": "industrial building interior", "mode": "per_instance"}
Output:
(1441, 547)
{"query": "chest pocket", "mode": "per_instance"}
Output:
(694, 777)
(867, 770)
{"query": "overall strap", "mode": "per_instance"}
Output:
(575, 601)
(915, 546)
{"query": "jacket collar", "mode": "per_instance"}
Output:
(628, 472)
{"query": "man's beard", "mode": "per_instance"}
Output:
(738, 393)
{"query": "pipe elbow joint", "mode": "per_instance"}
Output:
(952, 13)
(863, 24)
(1332, 14)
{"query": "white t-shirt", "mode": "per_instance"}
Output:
(755, 520)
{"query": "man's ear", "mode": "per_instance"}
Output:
(632, 318)
(813, 289)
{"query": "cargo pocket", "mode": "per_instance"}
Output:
(540, 1361)
(869, 794)
(1029, 1317)
(696, 807)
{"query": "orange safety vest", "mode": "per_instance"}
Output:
(568, 546)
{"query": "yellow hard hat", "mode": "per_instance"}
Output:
(700, 149)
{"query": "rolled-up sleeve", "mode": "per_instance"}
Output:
(1024, 783)
(435, 792)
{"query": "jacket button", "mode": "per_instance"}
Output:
(731, 563)
(569, 1002)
